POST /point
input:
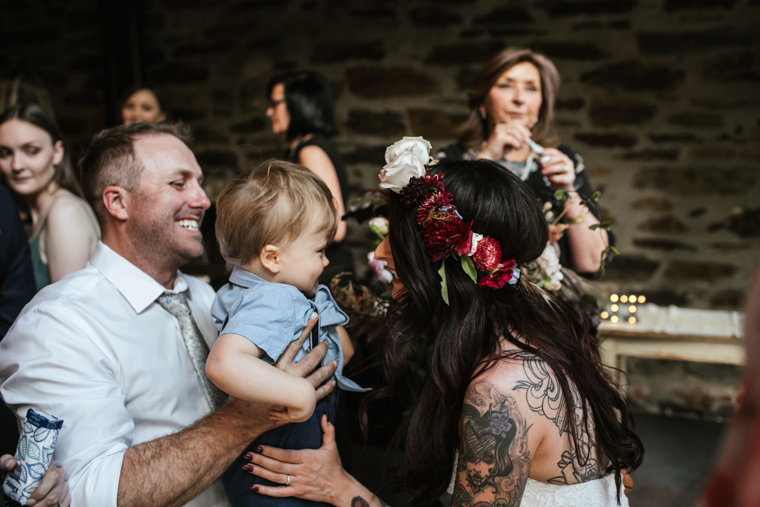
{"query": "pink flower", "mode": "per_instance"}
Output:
(500, 277)
(445, 236)
(487, 255)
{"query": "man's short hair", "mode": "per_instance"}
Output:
(110, 159)
(271, 205)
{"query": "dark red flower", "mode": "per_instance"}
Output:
(444, 235)
(411, 192)
(430, 202)
(433, 181)
(500, 277)
(487, 255)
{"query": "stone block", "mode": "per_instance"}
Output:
(607, 139)
(728, 300)
(82, 19)
(250, 126)
(663, 224)
(187, 114)
(665, 245)
(665, 297)
(463, 53)
(180, 73)
(620, 111)
(695, 271)
(366, 154)
(671, 42)
(86, 63)
(382, 124)
(631, 268)
(697, 212)
(679, 5)
(434, 124)
(652, 204)
(564, 8)
(600, 171)
(674, 138)
(569, 104)
(375, 12)
(206, 135)
(634, 76)
(217, 158)
(337, 51)
(435, 16)
(696, 180)
(386, 82)
(464, 78)
(696, 119)
(509, 14)
(745, 223)
(219, 47)
(652, 154)
(742, 65)
(569, 50)
(726, 247)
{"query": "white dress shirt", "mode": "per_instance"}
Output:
(97, 351)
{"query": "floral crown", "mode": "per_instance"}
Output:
(445, 232)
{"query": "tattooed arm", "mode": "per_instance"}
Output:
(495, 456)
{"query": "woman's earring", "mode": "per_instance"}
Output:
(482, 115)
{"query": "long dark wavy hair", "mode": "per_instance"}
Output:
(467, 334)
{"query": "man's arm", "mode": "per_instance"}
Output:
(176, 468)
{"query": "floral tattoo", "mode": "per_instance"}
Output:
(494, 459)
(544, 397)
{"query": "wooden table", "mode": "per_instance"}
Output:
(707, 336)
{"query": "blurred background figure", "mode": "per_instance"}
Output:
(511, 113)
(33, 161)
(143, 102)
(302, 111)
(734, 481)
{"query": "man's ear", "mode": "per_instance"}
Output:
(115, 200)
(270, 258)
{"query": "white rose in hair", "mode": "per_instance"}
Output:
(405, 159)
(420, 146)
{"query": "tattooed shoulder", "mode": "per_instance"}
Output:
(494, 458)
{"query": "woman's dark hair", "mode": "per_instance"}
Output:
(33, 113)
(153, 88)
(467, 334)
(475, 129)
(310, 103)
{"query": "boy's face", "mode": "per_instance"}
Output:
(303, 260)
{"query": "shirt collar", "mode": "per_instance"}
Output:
(138, 288)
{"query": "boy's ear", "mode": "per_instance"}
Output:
(270, 258)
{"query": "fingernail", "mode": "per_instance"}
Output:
(7, 463)
(314, 316)
(31, 502)
(545, 159)
(248, 468)
(248, 456)
(255, 489)
(258, 450)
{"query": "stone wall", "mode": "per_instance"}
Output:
(659, 96)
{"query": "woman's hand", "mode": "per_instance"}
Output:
(53, 488)
(558, 169)
(503, 139)
(311, 474)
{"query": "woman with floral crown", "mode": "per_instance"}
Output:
(517, 408)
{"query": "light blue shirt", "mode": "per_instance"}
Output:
(272, 315)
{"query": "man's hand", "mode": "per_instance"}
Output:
(53, 488)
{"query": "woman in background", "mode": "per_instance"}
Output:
(302, 111)
(511, 113)
(33, 162)
(143, 102)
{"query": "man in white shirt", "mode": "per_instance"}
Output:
(98, 351)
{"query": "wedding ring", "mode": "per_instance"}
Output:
(288, 483)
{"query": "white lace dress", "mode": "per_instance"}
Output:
(596, 493)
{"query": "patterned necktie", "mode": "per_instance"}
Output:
(176, 304)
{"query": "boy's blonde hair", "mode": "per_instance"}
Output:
(273, 204)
